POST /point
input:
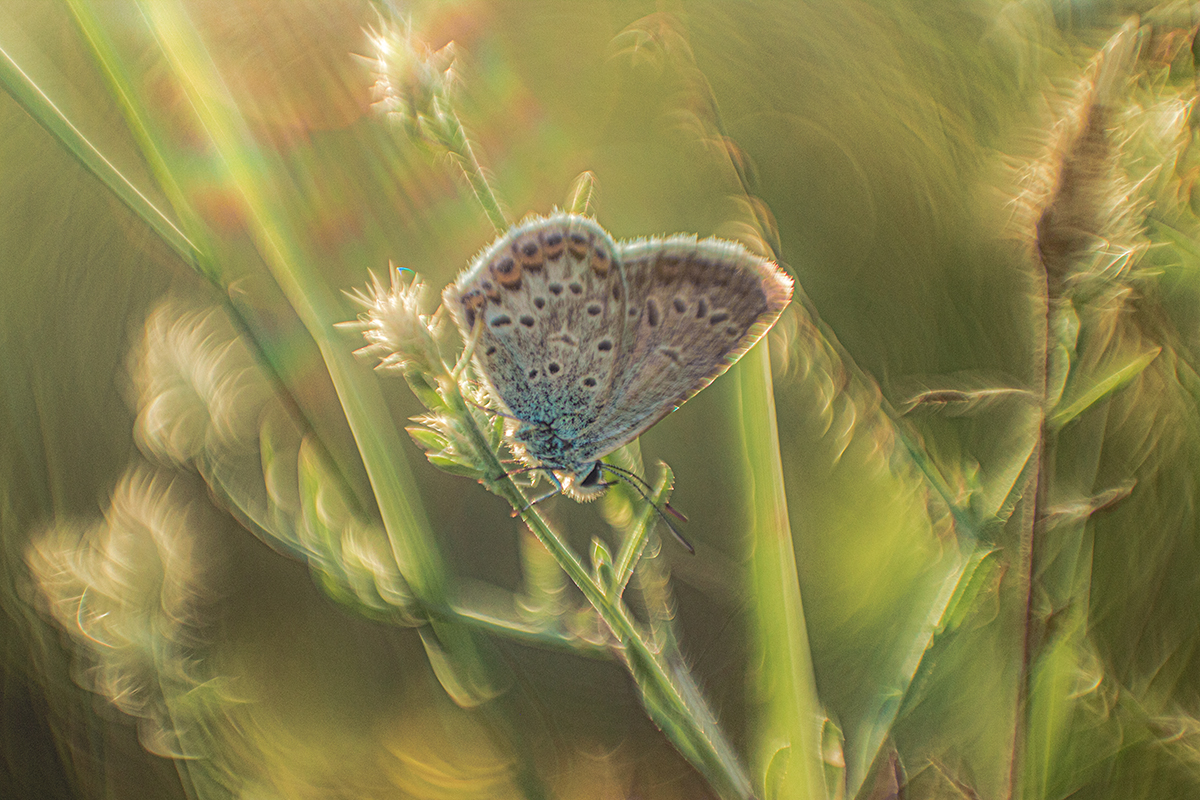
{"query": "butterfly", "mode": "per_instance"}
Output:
(584, 343)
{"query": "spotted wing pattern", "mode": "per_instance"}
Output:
(544, 295)
(695, 308)
(601, 340)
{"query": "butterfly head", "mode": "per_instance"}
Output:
(545, 446)
(584, 485)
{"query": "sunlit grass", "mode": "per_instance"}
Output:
(974, 584)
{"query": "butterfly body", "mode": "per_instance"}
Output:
(586, 342)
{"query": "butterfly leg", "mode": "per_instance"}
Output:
(558, 487)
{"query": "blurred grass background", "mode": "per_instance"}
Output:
(882, 136)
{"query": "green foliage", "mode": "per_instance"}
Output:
(944, 515)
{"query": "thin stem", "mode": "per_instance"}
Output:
(535, 635)
(412, 541)
(1027, 552)
(681, 714)
(453, 137)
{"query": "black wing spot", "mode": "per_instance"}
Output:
(731, 330)
(527, 320)
(702, 309)
(589, 382)
(594, 309)
(532, 374)
(556, 289)
(718, 318)
(671, 353)
(652, 315)
(539, 302)
(500, 320)
(680, 306)
(553, 368)
(616, 292)
(576, 288)
(491, 351)
(604, 346)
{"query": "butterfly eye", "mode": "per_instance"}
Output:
(593, 476)
(507, 272)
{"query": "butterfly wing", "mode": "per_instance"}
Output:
(549, 333)
(694, 308)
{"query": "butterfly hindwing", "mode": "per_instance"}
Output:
(694, 308)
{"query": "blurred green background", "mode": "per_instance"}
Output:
(885, 138)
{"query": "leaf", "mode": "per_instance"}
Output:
(465, 689)
(833, 751)
(982, 573)
(773, 777)
(602, 564)
(961, 394)
(427, 439)
(1081, 510)
(1098, 389)
(455, 465)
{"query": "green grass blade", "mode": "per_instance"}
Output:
(1098, 388)
(248, 169)
(21, 87)
(790, 714)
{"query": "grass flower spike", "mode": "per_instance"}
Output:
(398, 333)
(414, 86)
(411, 81)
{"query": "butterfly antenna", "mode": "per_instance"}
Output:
(637, 479)
(630, 474)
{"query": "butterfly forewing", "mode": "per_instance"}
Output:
(596, 341)
(543, 296)
(694, 308)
